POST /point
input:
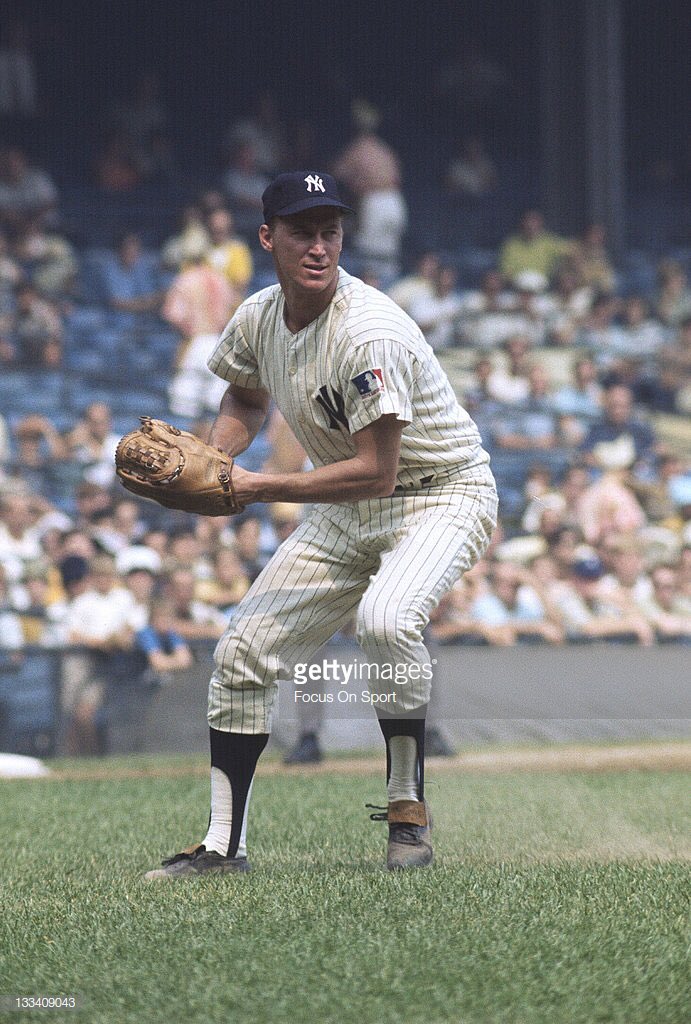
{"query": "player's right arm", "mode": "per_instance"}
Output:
(240, 418)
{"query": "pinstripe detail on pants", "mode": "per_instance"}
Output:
(392, 559)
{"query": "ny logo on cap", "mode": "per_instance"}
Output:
(314, 183)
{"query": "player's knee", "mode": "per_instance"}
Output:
(381, 628)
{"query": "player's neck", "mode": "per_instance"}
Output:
(300, 310)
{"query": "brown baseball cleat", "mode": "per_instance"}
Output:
(197, 860)
(410, 827)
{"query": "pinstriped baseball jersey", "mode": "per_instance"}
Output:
(361, 359)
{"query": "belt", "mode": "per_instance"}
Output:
(432, 480)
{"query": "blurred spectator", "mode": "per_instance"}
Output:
(510, 384)
(198, 304)
(418, 285)
(574, 485)
(191, 237)
(477, 394)
(371, 171)
(538, 488)
(139, 568)
(684, 579)
(211, 533)
(531, 306)
(19, 104)
(227, 253)
(25, 191)
(643, 336)
(513, 602)
(664, 608)
(228, 584)
(185, 552)
(4, 444)
(39, 450)
(680, 492)
(471, 172)
(488, 319)
(263, 130)
(38, 330)
(76, 543)
(11, 632)
(437, 314)
(609, 505)
(627, 584)
(600, 333)
(617, 440)
(669, 387)
(530, 424)
(97, 620)
(562, 548)
(285, 519)
(92, 442)
(532, 247)
(115, 166)
(673, 303)
(451, 621)
(10, 277)
(570, 304)
(244, 183)
(192, 619)
(38, 602)
(142, 115)
(158, 161)
(74, 580)
(130, 280)
(592, 261)
(19, 535)
(210, 200)
(587, 615)
(165, 650)
(634, 359)
(48, 260)
(157, 540)
(248, 545)
(118, 527)
(93, 503)
(582, 396)
(656, 494)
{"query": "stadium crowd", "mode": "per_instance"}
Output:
(579, 379)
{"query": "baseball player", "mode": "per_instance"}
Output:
(403, 502)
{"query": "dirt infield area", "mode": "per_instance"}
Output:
(662, 756)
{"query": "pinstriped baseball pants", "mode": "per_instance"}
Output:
(392, 559)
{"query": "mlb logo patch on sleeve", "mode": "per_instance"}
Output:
(369, 382)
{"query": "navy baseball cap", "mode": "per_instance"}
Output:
(589, 567)
(300, 190)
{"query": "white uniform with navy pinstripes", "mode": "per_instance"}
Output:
(392, 558)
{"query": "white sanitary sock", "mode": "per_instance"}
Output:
(403, 781)
(218, 836)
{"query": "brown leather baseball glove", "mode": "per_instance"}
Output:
(176, 469)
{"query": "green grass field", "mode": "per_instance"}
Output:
(559, 898)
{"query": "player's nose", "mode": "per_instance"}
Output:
(318, 245)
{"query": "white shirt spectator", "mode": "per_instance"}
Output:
(98, 616)
(11, 633)
(16, 551)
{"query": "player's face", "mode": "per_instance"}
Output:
(306, 247)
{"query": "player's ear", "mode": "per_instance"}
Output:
(265, 238)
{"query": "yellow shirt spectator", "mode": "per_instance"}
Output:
(532, 248)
